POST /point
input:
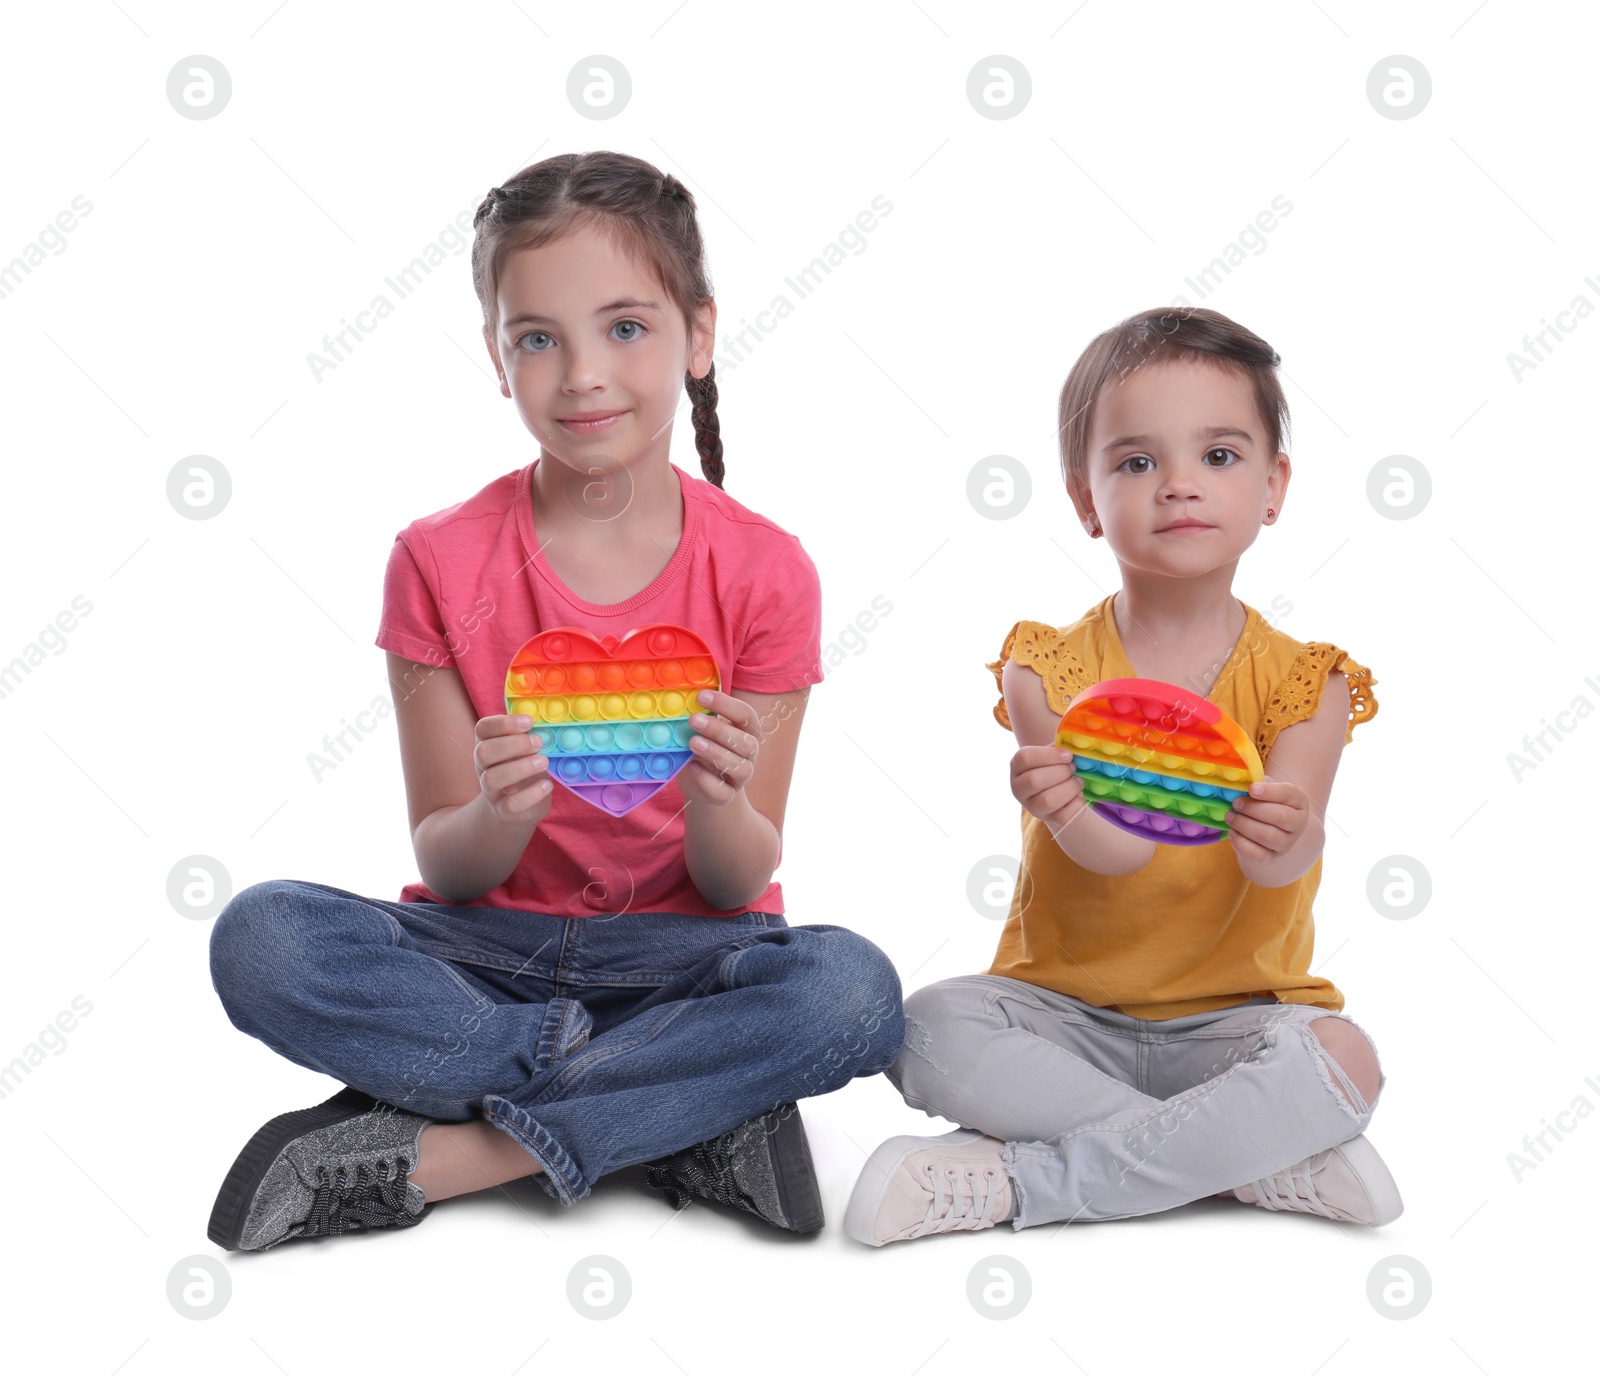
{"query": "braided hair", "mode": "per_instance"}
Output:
(652, 213)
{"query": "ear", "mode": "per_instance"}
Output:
(1278, 482)
(703, 339)
(1082, 503)
(494, 358)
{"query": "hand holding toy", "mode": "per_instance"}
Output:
(515, 783)
(1046, 785)
(1157, 760)
(725, 749)
(1269, 821)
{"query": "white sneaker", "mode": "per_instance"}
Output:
(1348, 1183)
(917, 1186)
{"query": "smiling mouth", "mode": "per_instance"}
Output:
(579, 425)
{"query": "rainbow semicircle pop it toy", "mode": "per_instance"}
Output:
(613, 715)
(1158, 760)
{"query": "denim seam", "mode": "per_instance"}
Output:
(1070, 1017)
(483, 960)
(1008, 1159)
(560, 1015)
(480, 1002)
(576, 1066)
(988, 1010)
(1222, 1033)
(566, 957)
(1057, 1144)
(558, 1172)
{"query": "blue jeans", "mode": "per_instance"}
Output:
(596, 1042)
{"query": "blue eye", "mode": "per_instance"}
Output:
(549, 343)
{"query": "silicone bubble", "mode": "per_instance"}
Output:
(612, 715)
(1157, 760)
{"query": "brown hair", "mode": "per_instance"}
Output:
(1164, 335)
(650, 217)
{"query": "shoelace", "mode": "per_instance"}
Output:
(705, 1169)
(1292, 1190)
(974, 1213)
(372, 1199)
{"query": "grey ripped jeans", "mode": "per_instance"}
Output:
(1109, 1116)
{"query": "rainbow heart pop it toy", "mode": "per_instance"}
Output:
(613, 715)
(1158, 760)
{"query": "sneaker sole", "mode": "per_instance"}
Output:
(1382, 1193)
(794, 1174)
(867, 1197)
(238, 1190)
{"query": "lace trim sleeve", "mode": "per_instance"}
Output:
(1300, 693)
(1041, 649)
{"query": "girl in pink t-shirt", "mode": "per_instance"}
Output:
(523, 1010)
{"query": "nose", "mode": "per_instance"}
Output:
(585, 370)
(1179, 481)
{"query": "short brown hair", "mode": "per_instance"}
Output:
(649, 215)
(1164, 335)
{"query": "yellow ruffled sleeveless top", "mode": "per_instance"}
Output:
(1188, 933)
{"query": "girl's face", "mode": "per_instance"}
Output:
(1179, 477)
(593, 353)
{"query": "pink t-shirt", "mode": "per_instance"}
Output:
(467, 586)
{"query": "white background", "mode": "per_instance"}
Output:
(176, 718)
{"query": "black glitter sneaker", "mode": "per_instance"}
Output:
(337, 1168)
(763, 1166)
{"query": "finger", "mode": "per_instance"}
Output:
(515, 723)
(1273, 791)
(723, 733)
(728, 764)
(737, 710)
(500, 754)
(1279, 815)
(1055, 798)
(1036, 756)
(1046, 776)
(715, 786)
(499, 749)
(1245, 848)
(1049, 765)
(514, 776)
(526, 800)
(1268, 840)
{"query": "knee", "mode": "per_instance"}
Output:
(252, 934)
(934, 1037)
(935, 1015)
(1354, 1052)
(849, 993)
(872, 1008)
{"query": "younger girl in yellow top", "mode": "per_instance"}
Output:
(1149, 1032)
